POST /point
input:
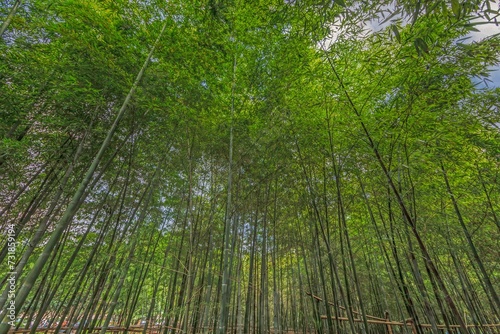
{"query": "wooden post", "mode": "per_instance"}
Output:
(389, 326)
(412, 324)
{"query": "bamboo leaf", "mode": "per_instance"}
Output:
(340, 3)
(421, 45)
(455, 7)
(396, 33)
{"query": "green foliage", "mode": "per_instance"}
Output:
(318, 106)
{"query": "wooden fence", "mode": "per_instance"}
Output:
(379, 326)
(391, 326)
(386, 326)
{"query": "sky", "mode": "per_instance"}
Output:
(485, 30)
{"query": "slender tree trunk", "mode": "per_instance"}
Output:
(225, 291)
(406, 214)
(470, 242)
(250, 288)
(73, 206)
(9, 17)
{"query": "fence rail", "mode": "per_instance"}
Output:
(389, 327)
(409, 323)
(390, 324)
(383, 325)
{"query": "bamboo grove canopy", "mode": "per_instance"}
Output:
(249, 166)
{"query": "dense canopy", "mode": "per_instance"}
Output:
(250, 166)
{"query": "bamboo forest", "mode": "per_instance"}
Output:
(249, 166)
